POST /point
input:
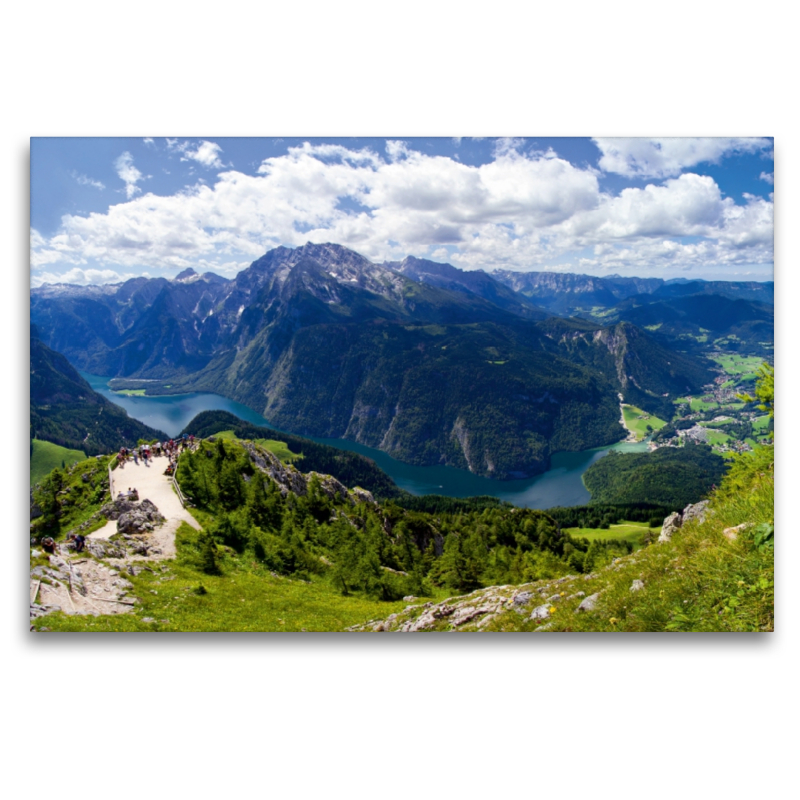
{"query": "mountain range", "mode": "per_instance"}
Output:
(432, 364)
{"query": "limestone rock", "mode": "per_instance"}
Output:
(731, 534)
(695, 511)
(103, 548)
(522, 598)
(671, 524)
(541, 612)
(363, 496)
(143, 517)
(589, 603)
(116, 508)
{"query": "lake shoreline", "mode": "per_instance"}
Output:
(561, 485)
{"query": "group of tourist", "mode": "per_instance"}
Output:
(147, 452)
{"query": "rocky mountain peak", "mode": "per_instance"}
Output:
(187, 274)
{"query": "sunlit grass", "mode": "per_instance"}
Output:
(637, 421)
(47, 456)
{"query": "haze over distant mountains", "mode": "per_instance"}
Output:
(490, 372)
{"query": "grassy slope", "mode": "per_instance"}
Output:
(700, 581)
(47, 456)
(275, 447)
(242, 599)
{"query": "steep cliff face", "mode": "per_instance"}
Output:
(451, 369)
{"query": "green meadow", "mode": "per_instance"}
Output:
(46, 456)
(637, 421)
(625, 531)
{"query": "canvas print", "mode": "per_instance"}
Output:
(402, 384)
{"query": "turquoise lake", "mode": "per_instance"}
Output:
(562, 485)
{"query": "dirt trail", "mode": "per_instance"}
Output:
(152, 485)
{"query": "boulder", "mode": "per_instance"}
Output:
(103, 548)
(589, 603)
(522, 598)
(541, 612)
(671, 524)
(116, 508)
(143, 517)
(695, 511)
(363, 496)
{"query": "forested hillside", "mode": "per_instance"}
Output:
(66, 411)
(669, 476)
(352, 469)
(425, 362)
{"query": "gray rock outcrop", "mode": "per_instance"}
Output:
(695, 511)
(675, 521)
(589, 603)
(142, 518)
(541, 612)
(671, 524)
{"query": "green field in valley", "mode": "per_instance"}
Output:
(761, 423)
(717, 437)
(626, 531)
(702, 405)
(637, 421)
(739, 365)
(47, 456)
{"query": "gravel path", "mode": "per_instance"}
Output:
(152, 485)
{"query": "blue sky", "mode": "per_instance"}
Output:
(106, 209)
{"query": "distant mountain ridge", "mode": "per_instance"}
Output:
(429, 363)
(566, 292)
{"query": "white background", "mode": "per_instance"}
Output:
(331, 715)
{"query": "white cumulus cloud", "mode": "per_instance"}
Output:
(666, 157)
(521, 210)
(205, 153)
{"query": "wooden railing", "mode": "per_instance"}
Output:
(181, 495)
